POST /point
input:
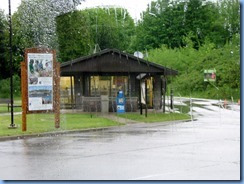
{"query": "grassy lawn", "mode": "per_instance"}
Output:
(39, 123)
(4, 109)
(155, 117)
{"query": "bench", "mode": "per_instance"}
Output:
(7, 101)
(14, 105)
(67, 105)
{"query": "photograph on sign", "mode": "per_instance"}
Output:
(40, 81)
(40, 97)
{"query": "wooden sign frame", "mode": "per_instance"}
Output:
(55, 86)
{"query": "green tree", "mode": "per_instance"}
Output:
(151, 28)
(5, 89)
(229, 11)
(34, 25)
(191, 64)
(93, 29)
(168, 22)
(5, 49)
(110, 27)
(36, 20)
(73, 35)
(3, 46)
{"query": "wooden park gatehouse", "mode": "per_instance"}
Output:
(88, 81)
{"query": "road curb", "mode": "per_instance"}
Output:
(51, 134)
(54, 134)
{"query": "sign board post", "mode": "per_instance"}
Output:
(57, 94)
(40, 82)
(24, 94)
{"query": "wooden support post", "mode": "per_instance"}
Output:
(57, 95)
(24, 94)
(146, 97)
(164, 92)
(140, 97)
(151, 93)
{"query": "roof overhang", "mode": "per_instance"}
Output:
(113, 62)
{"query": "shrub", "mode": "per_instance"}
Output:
(5, 87)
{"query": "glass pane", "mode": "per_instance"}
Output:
(66, 90)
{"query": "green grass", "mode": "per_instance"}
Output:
(4, 107)
(39, 123)
(155, 117)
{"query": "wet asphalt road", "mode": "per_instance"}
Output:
(206, 149)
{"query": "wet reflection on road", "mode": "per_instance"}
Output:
(205, 149)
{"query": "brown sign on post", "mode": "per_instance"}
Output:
(40, 82)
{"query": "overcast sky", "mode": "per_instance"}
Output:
(14, 5)
(135, 7)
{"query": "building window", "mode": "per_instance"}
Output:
(66, 90)
(108, 85)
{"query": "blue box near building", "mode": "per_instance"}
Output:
(121, 101)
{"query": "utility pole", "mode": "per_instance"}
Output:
(12, 125)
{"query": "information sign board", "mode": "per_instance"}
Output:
(40, 81)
